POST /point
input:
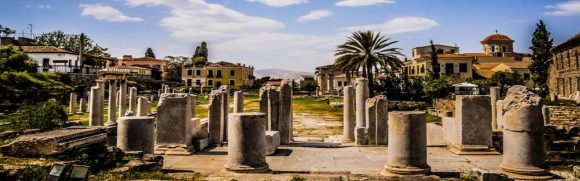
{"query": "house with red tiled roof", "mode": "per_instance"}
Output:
(53, 59)
(148, 61)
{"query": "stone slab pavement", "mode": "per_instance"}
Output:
(329, 159)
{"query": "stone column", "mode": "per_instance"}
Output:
(376, 120)
(523, 136)
(322, 83)
(166, 89)
(494, 93)
(135, 133)
(143, 107)
(193, 105)
(238, 102)
(174, 128)
(407, 151)
(123, 98)
(214, 118)
(348, 114)
(190, 90)
(96, 108)
(472, 125)
(225, 111)
(331, 84)
(73, 103)
(118, 103)
(112, 100)
(247, 143)
(133, 99)
(285, 119)
(83, 105)
(362, 94)
(499, 114)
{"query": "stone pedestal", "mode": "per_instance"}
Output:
(143, 106)
(376, 120)
(272, 142)
(174, 128)
(73, 104)
(270, 105)
(112, 116)
(523, 136)
(247, 143)
(135, 133)
(494, 94)
(362, 94)
(285, 119)
(472, 125)
(214, 118)
(360, 136)
(133, 99)
(96, 107)
(82, 105)
(238, 102)
(407, 152)
(348, 114)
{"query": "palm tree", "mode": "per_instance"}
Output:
(368, 51)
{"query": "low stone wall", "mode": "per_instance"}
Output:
(406, 105)
(567, 116)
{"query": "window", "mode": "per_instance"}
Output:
(232, 82)
(493, 48)
(45, 62)
(570, 83)
(197, 72)
(209, 73)
(452, 51)
(463, 67)
(189, 72)
(209, 82)
(503, 49)
(439, 51)
(219, 73)
(526, 76)
(578, 83)
(449, 69)
(218, 84)
(197, 82)
(422, 68)
(188, 82)
(232, 72)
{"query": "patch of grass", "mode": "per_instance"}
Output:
(433, 119)
(315, 106)
(153, 175)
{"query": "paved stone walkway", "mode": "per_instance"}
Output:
(327, 159)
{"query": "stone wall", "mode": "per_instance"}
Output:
(564, 115)
(564, 71)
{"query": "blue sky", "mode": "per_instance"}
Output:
(288, 34)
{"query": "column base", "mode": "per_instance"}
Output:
(408, 171)
(248, 169)
(173, 150)
(472, 150)
(530, 173)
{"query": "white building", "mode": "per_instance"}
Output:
(52, 59)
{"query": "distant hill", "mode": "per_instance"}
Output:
(279, 73)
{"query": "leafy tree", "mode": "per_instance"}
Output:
(368, 51)
(434, 62)
(505, 79)
(150, 53)
(541, 57)
(435, 88)
(44, 115)
(71, 42)
(174, 67)
(13, 60)
(309, 87)
(261, 81)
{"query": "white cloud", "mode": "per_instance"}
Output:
(568, 8)
(106, 13)
(315, 15)
(399, 25)
(279, 3)
(356, 3)
(44, 6)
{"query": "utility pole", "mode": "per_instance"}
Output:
(82, 43)
(31, 34)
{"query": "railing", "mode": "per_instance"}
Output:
(64, 69)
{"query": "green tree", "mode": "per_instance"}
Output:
(541, 57)
(434, 62)
(309, 87)
(71, 42)
(44, 115)
(150, 53)
(13, 60)
(368, 51)
(174, 67)
(437, 87)
(505, 79)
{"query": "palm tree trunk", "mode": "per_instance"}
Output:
(371, 81)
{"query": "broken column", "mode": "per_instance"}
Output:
(247, 143)
(143, 106)
(407, 151)
(269, 104)
(225, 111)
(133, 99)
(494, 93)
(96, 107)
(82, 105)
(174, 128)
(348, 114)
(523, 136)
(73, 103)
(112, 100)
(238, 102)
(472, 125)
(376, 120)
(123, 98)
(214, 118)
(135, 134)
(362, 94)
(285, 119)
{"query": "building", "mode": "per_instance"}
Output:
(331, 80)
(156, 66)
(303, 80)
(136, 72)
(53, 59)
(450, 61)
(208, 74)
(564, 73)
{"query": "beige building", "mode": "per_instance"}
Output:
(207, 74)
(146, 62)
(564, 74)
(449, 58)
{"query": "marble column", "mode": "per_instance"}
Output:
(523, 136)
(494, 93)
(331, 84)
(376, 120)
(214, 118)
(362, 94)
(348, 114)
(133, 99)
(123, 98)
(73, 103)
(112, 117)
(96, 108)
(285, 113)
(143, 107)
(247, 143)
(238, 102)
(83, 105)
(407, 151)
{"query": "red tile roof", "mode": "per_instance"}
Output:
(497, 38)
(43, 49)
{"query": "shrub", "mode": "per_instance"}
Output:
(45, 115)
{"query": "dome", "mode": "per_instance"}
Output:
(497, 38)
